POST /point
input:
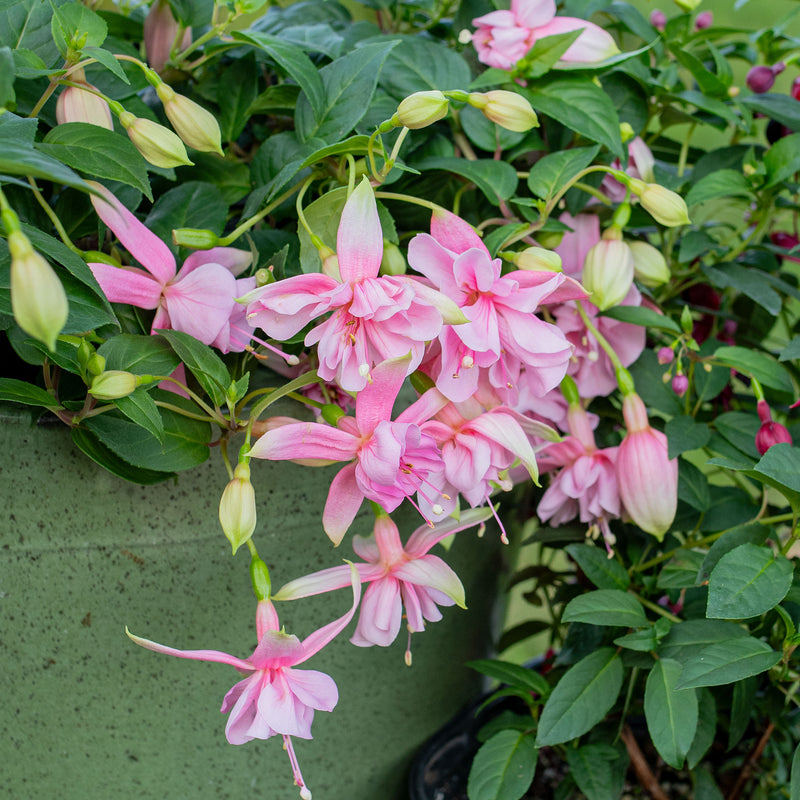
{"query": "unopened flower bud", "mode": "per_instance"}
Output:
(79, 105)
(649, 265)
(38, 300)
(658, 19)
(392, 262)
(160, 30)
(159, 145)
(761, 78)
(421, 109)
(626, 132)
(237, 508)
(330, 262)
(549, 239)
(259, 577)
(508, 109)
(648, 478)
(705, 19)
(196, 238)
(538, 258)
(665, 206)
(687, 5)
(770, 432)
(680, 383)
(95, 364)
(665, 355)
(608, 272)
(113, 384)
(197, 127)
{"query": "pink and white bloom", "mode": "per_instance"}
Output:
(585, 485)
(374, 317)
(648, 477)
(388, 461)
(502, 333)
(400, 579)
(198, 299)
(274, 698)
(503, 37)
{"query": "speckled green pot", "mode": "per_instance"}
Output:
(88, 715)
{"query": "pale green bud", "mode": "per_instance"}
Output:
(687, 5)
(113, 384)
(538, 258)
(664, 206)
(649, 265)
(508, 109)
(392, 262)
(237, 508)
(196, 238)
(421, 109)
(38, 299)
(194, 124)
(159, 145)
(608, 272)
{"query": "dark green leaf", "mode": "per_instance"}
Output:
(752, 282)
(25, 24)
(644, 641)
(791, 351)
(20, 159)
(503, 767)
(712, 106)
(552, 172)
(794, 788)
(705, 787)
(141, 355)
(189, 205)
(591, 766)
(758, 365)
(108, 61)
(722, 183)
(202, 362)
(16, 391)
(606, 607)
(685, 639)
(780, 467)
(684, 433)
(747, 581)
(546, 53)
(681, 570)
(781, 107)
(237, 90)
(782, 160)
(582, 697)
(708, 82)
(743, 704)
(512, 674)
(140, 408)
(693, 486)
(727, 662)
(740, 430)
(602, 571)
(706, 728)
(71, 21)
(496, 179)
(100, 152)
(743, 534)
(671, 713)
(356, 145)
(7, 70)
(646, 317)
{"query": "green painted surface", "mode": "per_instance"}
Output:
(87, 714)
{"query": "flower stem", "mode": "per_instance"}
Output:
(601, 340)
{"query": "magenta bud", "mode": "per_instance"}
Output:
(760, 79)
(658, 19)
(665, 355)
(680, 383)
(770, 432)
(647, 476)
(705, 19)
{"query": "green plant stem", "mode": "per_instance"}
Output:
(596, 193)
(684, 155)
(184, 413)
(627, 703)
(407, 198)
(53, 218)
(710, 539)
(601, 340)
(657, 608)
(214, 414)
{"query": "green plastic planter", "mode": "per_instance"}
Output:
(86, 714)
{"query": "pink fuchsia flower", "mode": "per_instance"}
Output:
(160, 32)
(75, 104)
(374, 318)
(503, 37)
(770, 433)
(647, 476)
(585, 485)
(502, 332)
(576, 243)
(274, 698)
(640, 165)
(400, 578)
(388, 461)
(198, 299)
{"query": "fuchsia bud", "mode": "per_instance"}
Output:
(760, 79)
(770, 432)
(237, 508)
(648, 477)
(160, 30)
(665, 355)
(608, 272)
(78, 105)
(705, 19)
(680, 383)
(421, 109)
(508, 109)
(658, 19)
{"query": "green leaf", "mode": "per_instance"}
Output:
(108, 61)
(7, 71)
(606, 607)
(202, 362)
(349, 83)
(100, 152)
(646, 317)
(756, 364)
(190, 205)
(487, 135)
(684, 433)
(722, 183)
(25, 24)
(750, 281)
(644, 641)
(355, 145)
(139, 407)
(747, 582)
(781, 107)
(680, 572)
(743, 704)
(419, 65)
(591, 766)
(581, 105)
(21, 159)
(727, 662)
(712, 106)
(323, 217)
(706, 728)
(552, 172)
(708, 82)
(705, 786)
(602, 571)
(139, 354)
(693, 486)
(16, 391)
(236, 92)
(546, 52)
(496, 179)
(794, 787)
(743, 534)
(90, 445)
(780, 467)
(671, 713)
(782, 160)
(685, 639)
(583, 696)
(791, 351)
(512, 674)
(503, 768)
(740, 430)
(294, 61)
(73, 21)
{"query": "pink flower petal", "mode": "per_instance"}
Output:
(359, 241)
(127, 285)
